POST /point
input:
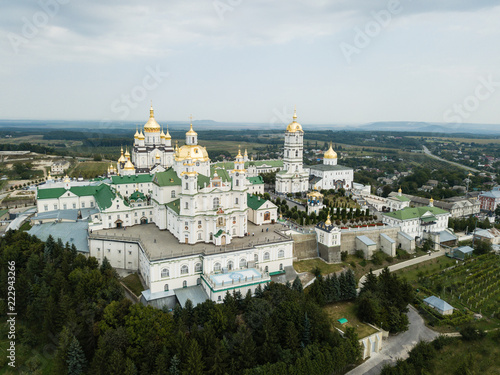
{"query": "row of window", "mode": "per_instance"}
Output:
(65, 206)
(165, 272)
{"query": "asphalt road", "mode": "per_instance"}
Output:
(427, 152)
(397, 346)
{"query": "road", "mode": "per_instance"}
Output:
(397, 346)
(427, 152)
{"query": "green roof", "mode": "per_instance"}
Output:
(218, 233)
(257, 180)
(221, 172)
(429, 219)
(254, 202)
(342, 321)
(104, 196)
(136, 195)
(167, 178)
(50, 193)
(3, 212)
(202, 180)
(135, 179)
(414, 212)
(325, 167)
(175, 205)
(401, 198)
(102, 193)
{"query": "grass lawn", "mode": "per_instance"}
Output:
(425, 268)
(478, 357)
(25, 227)
(133, 283)
(90, 169)
(346, 310)
(309, 264)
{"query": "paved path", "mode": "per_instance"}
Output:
(397, 346)
(427, 152)
(404, 264)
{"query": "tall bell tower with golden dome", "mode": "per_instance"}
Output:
(293, 178)
(152, 147)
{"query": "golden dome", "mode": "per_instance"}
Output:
(122, 158)
(330, 154)
(431, 200)
(136, 135)
(152, 126)
(239, 156)
(127, 154)
(162, 135)
(400, 190)
(129, 166)
(141, 136)
(191, 152)
(328, 222)
(315, 194)
(157, 156)
(167, 136)
(294, 126)
(191, 131)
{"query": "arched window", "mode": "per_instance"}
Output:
(266, 256)
(184, 284)
(243, 263)
(172, 194)
(281, 266)
(281, 254)
(187, 205)
(230, 265)
(197, 267)
(256, 257)
(184, 269)
(217, 267)
(266, 270)
(216, 203)
(165, 288)
(165, 273)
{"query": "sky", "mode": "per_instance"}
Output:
(338, 61)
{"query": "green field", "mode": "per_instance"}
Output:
(413, 273)
(89, 169)
(310, 264)
(133, 283)
(346, 310)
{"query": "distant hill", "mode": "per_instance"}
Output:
(392, 126)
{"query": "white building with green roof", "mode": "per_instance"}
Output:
(415, 221)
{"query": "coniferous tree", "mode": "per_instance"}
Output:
(297, 285)
(175, 362)
(194, 364)
(75, 358)
(306, 332)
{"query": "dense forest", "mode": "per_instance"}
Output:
(72, 318)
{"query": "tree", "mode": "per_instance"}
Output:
(297, 285)
(194, 365)
(76, 359)
(482, 247)
(174, 366)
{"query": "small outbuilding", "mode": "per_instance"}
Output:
(367, 245)
(439, 305)
(462, 252)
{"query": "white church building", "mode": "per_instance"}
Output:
(190, 230)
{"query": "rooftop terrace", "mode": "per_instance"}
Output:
(161, 244)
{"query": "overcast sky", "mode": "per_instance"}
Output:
(339, 61)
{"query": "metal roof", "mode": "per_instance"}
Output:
(387, 238)
(196, 294)
(367, 241)
(75, 233)
(438, 303)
